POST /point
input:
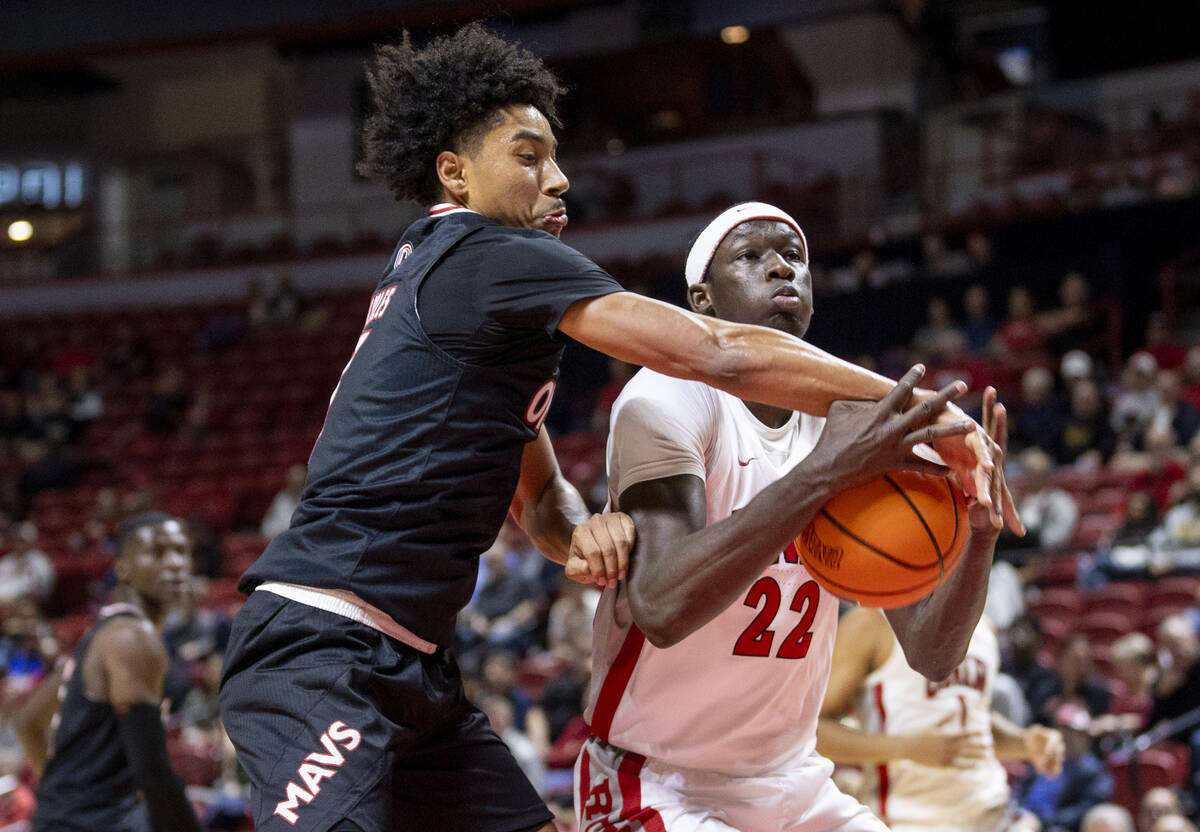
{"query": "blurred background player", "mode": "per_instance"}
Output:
(931, 750)
(108, 743)
(711, 659)
(435, 433)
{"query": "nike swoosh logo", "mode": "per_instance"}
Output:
(747, 462)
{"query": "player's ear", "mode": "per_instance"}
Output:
(452, 173)
(698, 298)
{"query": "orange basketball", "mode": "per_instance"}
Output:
(889, 542)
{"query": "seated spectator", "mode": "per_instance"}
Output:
(1020, 657)
(1076, 324)
(937, 261)
(1049, 513)
(1190, 384)
(1061, 802)
(1161, 343)
(1076, 365)
(1019, 335)
(1173, 823)
(952, 363)
(1107, 817)
(169, 403)
(499, 712)
(500, 679)
(1181, 525)
(1086, 438)
(26, 571)
(927, 340)
(1135, 667)
(1173, 411)
(979, 323)
(503, 613)
(618, 374)
(1157, 468)
(1177, 689)
(1156, 804)
(982, 256)
(279, 514)
(1037, 417)
(1134, 406)
(192, 635)
(1073, 681)
(85, 403)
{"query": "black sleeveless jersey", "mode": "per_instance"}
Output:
(88, 784)
(415, 468)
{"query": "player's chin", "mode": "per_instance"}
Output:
(788, 322)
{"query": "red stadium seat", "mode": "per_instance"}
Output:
(1122, 597)
(1177, 590)
(1103, 628)
(1056, 601)
(1151, 769)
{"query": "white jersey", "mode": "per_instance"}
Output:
(898, 700)
(742, 694)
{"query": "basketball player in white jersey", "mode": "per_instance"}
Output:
(711, 658)
(931, 750)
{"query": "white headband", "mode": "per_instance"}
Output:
(706, 244)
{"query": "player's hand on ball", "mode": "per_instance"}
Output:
(978, 459)
(1044, 748)
(869, 439)
(600, 548)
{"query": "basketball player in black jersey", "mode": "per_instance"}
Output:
(109, 744)
(339, 693)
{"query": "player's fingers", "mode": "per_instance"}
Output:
(898, 397)
(932, 432)
(576, 569)
(620, 526)
(585, 545)
(931, 407)
(608, 549)
(989, 406)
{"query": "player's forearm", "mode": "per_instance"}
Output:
(550, 519)
(680, 582)
(32, 722)
(751, 362)
(145, 743)
(935, 631)
(850, 746)
(1008, 739)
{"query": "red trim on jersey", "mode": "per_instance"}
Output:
(446, 208)
(790, 555)
(615, 682)
(883, 769)
(631, 795)
(585, 783)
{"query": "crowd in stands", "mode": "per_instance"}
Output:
(210, 411)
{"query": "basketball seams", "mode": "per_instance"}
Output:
(912, 566)
(924, 524)
(876, 594)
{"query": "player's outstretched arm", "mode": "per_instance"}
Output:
(32, 722)
(593, 547)
(764, 365)
(1036, 744)
(683, 573)
(134, 664)
(936, 630)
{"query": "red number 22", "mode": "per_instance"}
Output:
(757, 639)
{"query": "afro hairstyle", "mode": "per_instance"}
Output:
(438, 98)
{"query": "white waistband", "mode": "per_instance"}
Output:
(345, 603)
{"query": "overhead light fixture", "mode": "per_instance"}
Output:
(20, 231)
(734, 35)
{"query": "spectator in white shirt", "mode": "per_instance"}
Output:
(1047, 511)
(279, 515)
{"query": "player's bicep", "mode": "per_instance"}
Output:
(664, 511)
(854, 657)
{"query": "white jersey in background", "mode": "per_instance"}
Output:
(898, 700)
(742, 694)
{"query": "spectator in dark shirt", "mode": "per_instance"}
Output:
(1061, 802)
(1173, 411)
(1076, 323)
(1073, 681)
(1021, 661)
(504, 611)
(1177, 690)
(1086, 438)
(979, 324)
(1037, 416)
(170, 401)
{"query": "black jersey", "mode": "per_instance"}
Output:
(414, 471)
(88, 784)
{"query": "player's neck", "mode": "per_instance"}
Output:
(772, 417)
(155, 612)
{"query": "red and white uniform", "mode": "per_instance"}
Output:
(898, 700)
(719, 730)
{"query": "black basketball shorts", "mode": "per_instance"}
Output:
(334, 720)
